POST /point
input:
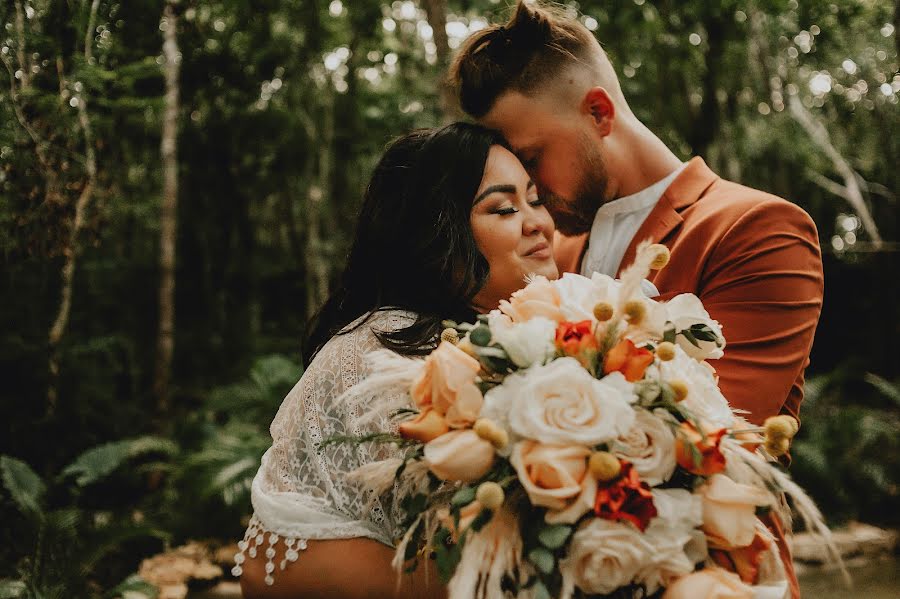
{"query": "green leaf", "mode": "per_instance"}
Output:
(447, 554)
(134, 586)
(887, 388)
(554, 537)
(480, 336)
(99, 462)
(12, 589)
(690, 337)
(483, 517)
(704, 333)
(25, 487)
(669, 334)
(463, 497)
(542, 559)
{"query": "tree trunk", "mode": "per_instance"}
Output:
(70, 251)
(318, 196)
(436, 14)
(165, 342)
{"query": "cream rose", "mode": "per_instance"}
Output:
(649, 445)
(603, 556)
(447, 384)
(709, 583)
(526, 343)
(677, 544)
(729, 511)
(538, 298)
(561, 403)
(704, 398)
(685, 311)
(459, 455)
(578, 294)
(556, 477)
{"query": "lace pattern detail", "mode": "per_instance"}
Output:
(300, 492)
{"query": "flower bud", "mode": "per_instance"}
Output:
(603, 311)
(679, 388)
(450, 335)
(665, 351)
(490, 495)
(489, 431)
(635, 311)
(662, 256)
(604, 466)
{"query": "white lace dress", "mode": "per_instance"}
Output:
(300, 492)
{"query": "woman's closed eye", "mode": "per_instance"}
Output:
(508, 209)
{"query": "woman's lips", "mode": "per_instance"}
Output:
(540, 251)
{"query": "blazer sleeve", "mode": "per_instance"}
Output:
(763, 282)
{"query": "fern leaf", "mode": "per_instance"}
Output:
(887, 388)
(12, 589)
(133, 586)
(100, 461)
(25, 487)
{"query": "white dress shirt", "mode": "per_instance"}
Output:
(616, 223)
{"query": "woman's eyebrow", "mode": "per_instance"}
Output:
(505, 188)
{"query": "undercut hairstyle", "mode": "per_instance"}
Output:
(537, 44)
(414, 248)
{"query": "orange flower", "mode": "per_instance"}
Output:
(631, 361)
(744, 561)
(577, 339)
(697, 453)
(426, 426)
(626, 498)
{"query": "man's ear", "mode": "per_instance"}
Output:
(598, 105)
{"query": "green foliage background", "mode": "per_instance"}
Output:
(285, 106)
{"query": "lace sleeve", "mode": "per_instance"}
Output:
(300, 491)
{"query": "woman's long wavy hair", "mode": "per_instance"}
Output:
(414, 249)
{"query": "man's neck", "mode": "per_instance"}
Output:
(647, 161)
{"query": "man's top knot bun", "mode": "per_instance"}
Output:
(529, 28)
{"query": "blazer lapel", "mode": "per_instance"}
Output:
(665, 217)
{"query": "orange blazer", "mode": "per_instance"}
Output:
(754, 261)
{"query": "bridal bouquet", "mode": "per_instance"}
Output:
(574, 443)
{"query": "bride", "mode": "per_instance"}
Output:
(450, 225)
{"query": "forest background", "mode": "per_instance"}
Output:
(178, 187)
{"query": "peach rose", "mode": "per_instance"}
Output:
(447, 384)
(426, 426)
(729, 511)
(709, 583)
(459, 455)
(538, 298)
(556, 477)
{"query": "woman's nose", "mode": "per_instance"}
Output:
(537, 220)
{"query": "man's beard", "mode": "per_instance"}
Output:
(575, 215)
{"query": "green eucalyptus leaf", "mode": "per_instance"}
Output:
(463, 497)
(554, 537)
(542, 559)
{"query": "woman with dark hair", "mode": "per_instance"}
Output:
(450, 225)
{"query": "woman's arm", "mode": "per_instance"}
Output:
(340, 569)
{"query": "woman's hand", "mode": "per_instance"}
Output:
(340, 569)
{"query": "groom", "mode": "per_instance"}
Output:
(752, 258)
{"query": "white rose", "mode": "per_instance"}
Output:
(704, 399)
(685, 311)
(603, 556)
(561, 403)
(650, 446)
(677, 544)
(526, 343)
(578, 295)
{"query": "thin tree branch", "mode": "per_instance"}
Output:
(24, 63)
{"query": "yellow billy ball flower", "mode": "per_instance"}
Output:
(489, 431)
(777, 446)
(662, 256)
(665, 351)
(679, 388)
(603, 311)
(782, 426)
(490, 495)
(450, 335)
(635, 311)
(604, 466)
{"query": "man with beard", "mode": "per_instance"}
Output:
(543, 80)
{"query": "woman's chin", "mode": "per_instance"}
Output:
(545, 268)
